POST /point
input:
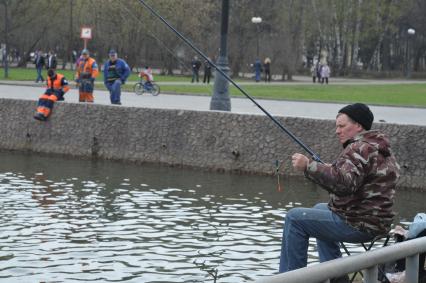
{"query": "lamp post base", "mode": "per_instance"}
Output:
(220, 99)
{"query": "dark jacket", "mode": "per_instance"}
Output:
(39, 61)
(121, 71)
(361, 182)
(51, 62)
(196, 64)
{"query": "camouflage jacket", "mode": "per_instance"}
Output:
(361, 182)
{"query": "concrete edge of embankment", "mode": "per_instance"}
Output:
(210, 140)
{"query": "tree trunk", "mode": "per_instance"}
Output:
(338, 49)
(355, 44)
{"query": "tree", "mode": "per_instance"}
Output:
(293, 33)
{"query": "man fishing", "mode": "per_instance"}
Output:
(361, 183)
(57, 86)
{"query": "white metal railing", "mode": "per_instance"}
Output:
(368, 262)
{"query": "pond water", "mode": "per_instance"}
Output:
(68, 220)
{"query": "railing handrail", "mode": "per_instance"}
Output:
(339, 267)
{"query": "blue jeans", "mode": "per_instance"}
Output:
(39, 76)
(318, 222)
(257, 75)
(115, 91)
(195, 76)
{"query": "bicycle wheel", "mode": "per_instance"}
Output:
(155, 89)
(138, 88)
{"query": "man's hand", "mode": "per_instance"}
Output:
(299, 161)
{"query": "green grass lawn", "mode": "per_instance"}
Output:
(399, 94)
(29, 74)
(387, 94)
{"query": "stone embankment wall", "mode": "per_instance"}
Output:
(213, 140)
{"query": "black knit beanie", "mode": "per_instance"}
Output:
(360, 113)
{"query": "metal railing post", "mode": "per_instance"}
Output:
(370, 274)
(411, 269)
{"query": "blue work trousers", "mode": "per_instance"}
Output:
(114, 91)
(86, 85)
(318, 222)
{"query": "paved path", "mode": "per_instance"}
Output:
(398, 115)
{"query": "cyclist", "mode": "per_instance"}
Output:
(147, 76)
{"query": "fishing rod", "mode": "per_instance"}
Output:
(199, 52)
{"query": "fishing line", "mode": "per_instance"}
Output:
(198, 51)
(277, 172)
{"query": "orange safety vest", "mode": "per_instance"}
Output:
(86, 66)
(58, 83)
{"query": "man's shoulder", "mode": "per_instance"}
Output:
(360, 148)
(369, 144)
(122, 62)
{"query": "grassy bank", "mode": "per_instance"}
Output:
(387, 94)
(29, 74)
(394, 94)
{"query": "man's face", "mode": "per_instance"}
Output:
(85, 55)
(346, 128)
(113, 57)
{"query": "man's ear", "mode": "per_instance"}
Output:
(359, 127)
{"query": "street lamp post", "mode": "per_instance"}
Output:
(220, 98)
(257, 21)
(410, 33)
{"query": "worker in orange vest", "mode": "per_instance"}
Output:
(57, 86)
(87, 71)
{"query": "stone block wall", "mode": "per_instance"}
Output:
(206, 139)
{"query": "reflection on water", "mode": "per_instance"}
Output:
(65, 220)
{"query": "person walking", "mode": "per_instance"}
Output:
(361, 184)
(2, 56)
(325, 73)
(116, 72)
(51, 62)
(39, 64)
(195, 64)
(319, 67)
(207, 71)
(314, 72)
(57, 86)
(87, 71)
(73, 59)
(267, 68)
(257, 70)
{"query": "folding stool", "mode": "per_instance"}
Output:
(367, 246)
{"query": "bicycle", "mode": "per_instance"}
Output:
(146, 87)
